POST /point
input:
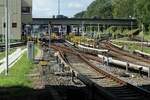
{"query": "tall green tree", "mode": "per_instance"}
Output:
(143, 12)
(123, 8)
(80, 14)
(99, 8)
(139, 9)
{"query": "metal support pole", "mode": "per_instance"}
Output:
(57, 59)
(73, 76)
(63, 68)
(127, 66)
(131, 26)
(49, 32)
(58, 7)
(103, 61)
(6, 36)
(142, 37)
(9, 30)
(107, 61)
(98, 28)
(149, 73)
(90, 29)
(83, 29)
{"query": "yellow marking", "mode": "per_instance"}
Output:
(44, 63)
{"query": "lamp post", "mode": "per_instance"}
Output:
(58, 7)
(49, 31)
(6, 36)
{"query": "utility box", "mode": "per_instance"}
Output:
(30, 53)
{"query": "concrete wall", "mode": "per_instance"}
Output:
(2, 16)
(14, 17)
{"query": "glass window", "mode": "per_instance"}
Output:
(14, 25)
(25, 9)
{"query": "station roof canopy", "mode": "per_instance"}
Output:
(85, 21)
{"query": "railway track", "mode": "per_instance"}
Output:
(131, 76)
(102, 82)
(69, 50)
(60, 86)
(115, 52)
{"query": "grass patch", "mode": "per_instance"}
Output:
(18, 74)
(133, 47)
(147, 37)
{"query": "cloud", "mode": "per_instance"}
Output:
(75, 5)
(47, 8)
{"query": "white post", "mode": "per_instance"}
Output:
(9, 30)
(6, 36)
(98, 28)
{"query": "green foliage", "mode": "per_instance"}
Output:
(98, 9)
(79, 15)
(18, 74)
(139, 9)
(143, 10)
(123, 8)
(149, 28)
(132, 46)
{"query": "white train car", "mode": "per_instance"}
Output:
(110, 60)
(87, 49)
(91, 50)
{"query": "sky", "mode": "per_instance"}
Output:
(47, 8)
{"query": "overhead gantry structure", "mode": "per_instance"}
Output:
(83, 23)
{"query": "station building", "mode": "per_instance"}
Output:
(20, 15)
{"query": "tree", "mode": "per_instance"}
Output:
(79, 15)
(139, 9)
(99, 8)
(123, 8)
(143, 12)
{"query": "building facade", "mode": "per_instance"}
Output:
(26, 8)
(19, 12)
